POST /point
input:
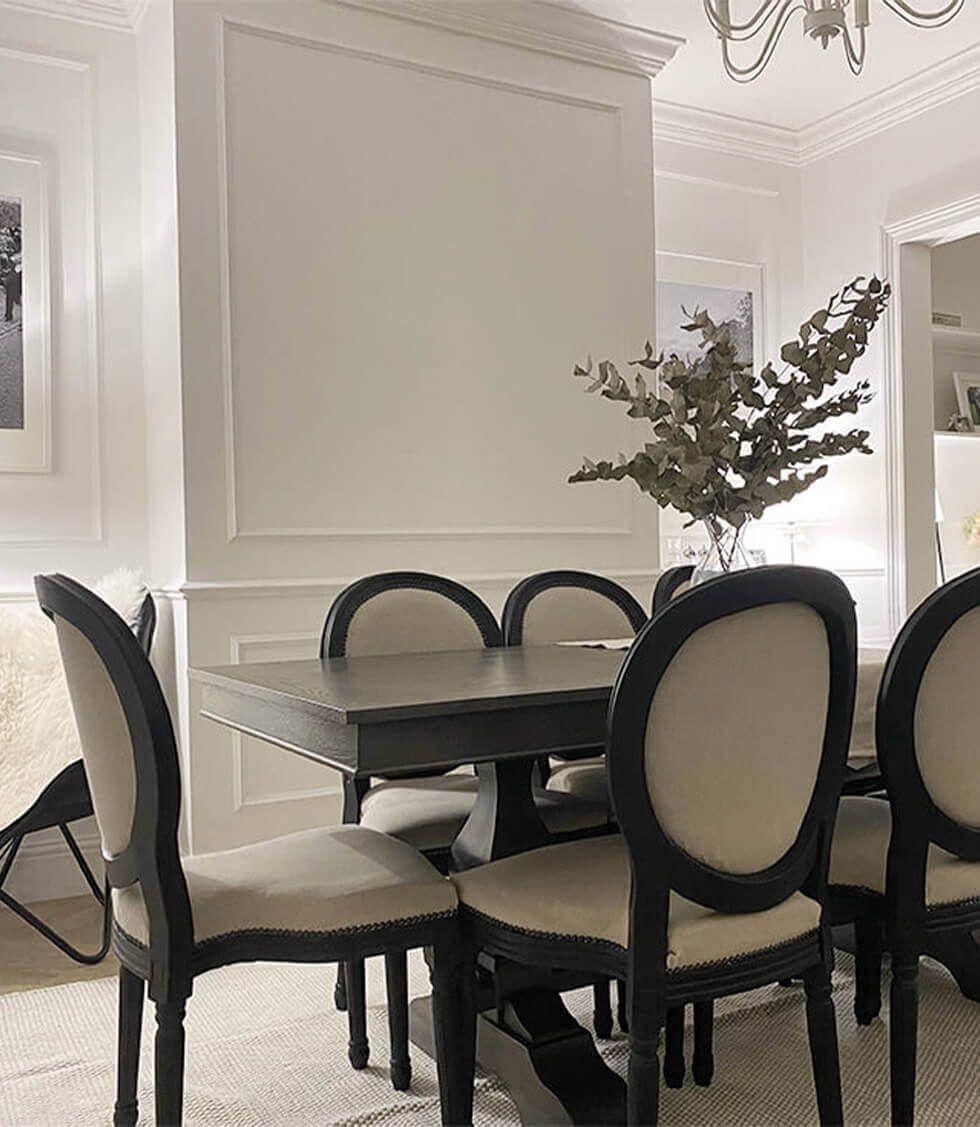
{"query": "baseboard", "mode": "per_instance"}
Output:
(46, 870)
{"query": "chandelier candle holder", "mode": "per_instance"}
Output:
(823, 21)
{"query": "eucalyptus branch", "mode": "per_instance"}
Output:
(729, 442)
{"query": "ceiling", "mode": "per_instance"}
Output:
(802, 84)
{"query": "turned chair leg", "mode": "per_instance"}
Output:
(822, 1033)
(643, 1075)
(603, 1009)
(674, 1066)
(622, 1010)
(904, 1029)
(169, 1064)
(867, 970)
(131, 991)
(340, 989)
(357, 1044)
(453, 977)
(396, 978)
(703, 1066)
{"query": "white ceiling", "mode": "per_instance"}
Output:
(802, 84)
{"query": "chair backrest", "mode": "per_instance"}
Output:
(728, 734)
(405, 612)
(925, 734)
(130, 758)
(569, 606)
(672, 582)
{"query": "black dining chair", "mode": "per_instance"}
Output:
(575, 606)
(404, 612)
(672, 582)
(64, 800)
(906, 871)
(350, 892)
(728, 732)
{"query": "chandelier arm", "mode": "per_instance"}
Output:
(855, 59)
(748, 73)
(739, 32)
(939, 18)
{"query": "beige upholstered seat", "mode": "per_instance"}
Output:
(323, 880)
(543, 891)
(860, 851)
(583, 778)
(428, 813)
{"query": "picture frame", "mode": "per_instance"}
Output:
(967, 385)
(25, 315)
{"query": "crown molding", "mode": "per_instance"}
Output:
(546, 26)
(117, 15)
(905, 100)
(724, 133)
(738, 136)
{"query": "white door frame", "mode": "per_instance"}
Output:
(954, 220)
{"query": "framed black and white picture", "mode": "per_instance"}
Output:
(968, 396)
(25, 369)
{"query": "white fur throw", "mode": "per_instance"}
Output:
(38, 739)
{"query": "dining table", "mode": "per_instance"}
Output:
(497, 709)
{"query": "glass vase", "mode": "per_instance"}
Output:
(726, 552)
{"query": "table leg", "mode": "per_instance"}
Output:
(504, 819)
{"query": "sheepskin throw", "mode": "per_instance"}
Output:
(38, 739)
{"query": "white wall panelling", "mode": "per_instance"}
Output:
(397, 239)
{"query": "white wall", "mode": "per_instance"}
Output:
(923, 164)
(396, 241)
(68, 94)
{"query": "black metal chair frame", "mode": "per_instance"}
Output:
(349, 991)
(659, 865)
(900, 920)
(167, 966)
(66, 799)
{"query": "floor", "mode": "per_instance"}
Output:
(29, 961)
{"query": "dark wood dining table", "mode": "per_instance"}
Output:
(496, 709)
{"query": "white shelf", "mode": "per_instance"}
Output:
(974, 434)
(947, 339)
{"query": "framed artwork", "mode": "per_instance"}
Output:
(968, 396)
(25, 369)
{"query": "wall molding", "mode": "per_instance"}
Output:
(713, 182)
(236, 530)
(116, 15)
(744, 137)
(548, 27)
(45, 870)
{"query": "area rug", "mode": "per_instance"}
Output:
(265, 1047)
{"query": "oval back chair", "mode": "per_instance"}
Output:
(908, 870)
(672, 582)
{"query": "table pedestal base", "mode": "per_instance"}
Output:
(545, 1059)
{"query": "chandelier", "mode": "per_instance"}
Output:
(823, 21)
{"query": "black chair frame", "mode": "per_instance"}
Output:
(667, 585)
(349, 988)
(659, 865)
(168, 964)
(66, 799)
(900, 920)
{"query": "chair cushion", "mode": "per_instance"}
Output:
(324, 880)
(581, 890)
(584, 778)
(859, 855)
(428, 813)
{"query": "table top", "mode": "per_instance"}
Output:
(383, 688)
